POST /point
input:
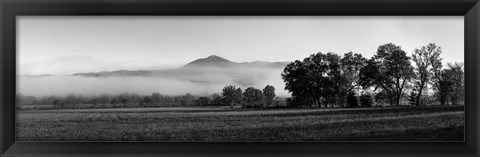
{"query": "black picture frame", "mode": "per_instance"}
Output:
(9, 9)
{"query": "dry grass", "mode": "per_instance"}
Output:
(223, 124)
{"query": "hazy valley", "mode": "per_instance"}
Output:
(203, 76)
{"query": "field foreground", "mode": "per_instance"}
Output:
(224, 124)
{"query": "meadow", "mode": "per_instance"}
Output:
(218, 124)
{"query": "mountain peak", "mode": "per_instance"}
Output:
(212, 60)
(214, 57)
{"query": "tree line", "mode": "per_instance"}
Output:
(251, 97)
(230, 96)
(351, 80)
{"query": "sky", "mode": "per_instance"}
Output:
(62, 45)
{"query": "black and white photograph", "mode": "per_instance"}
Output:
(240, 78)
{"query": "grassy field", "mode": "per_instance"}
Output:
(224, 124)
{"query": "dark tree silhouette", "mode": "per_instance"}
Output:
(350, 66)
(216, 100)
(295, 75)
(187, 100)
(253, 97)
(390, 70)
(453, 80)
(269, 93)
(157, 98)
(71, 99)
(424, 70)
(312, 78)
(202, 101)
(323, 79)
(146, 101)
(232, 95)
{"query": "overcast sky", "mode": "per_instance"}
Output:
(69, 44)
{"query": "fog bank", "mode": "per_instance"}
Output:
(200, 86)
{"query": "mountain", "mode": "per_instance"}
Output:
(210, 61)
(212, 64)
(210, 72)
(217, 61)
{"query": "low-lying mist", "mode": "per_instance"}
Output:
(200, 82)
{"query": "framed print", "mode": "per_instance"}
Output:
(253, 78)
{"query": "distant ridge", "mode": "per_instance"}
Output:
(208, 64)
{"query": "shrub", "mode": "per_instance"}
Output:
(352, 99)
(366, 100)
(295, 101)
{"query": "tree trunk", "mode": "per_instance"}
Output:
(399, 95)
(417, 101)
(342, 100)
(313, 102)
(442, 100)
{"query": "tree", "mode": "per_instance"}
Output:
(135, 99)
(313, 79)
(269, 92)
(438, 79)
(348, 79)
(71, 99)
(104, 99)
(381, 98)
(323, 79)
(296, 78)
(157, 98)
(57, 104)
(458, 79)
(187, 100)
(338, 87)
(454, 76)
(115, 100)
(123, 98)
(202, 101)
(25, 100)
(232, 95)
(253, 97)
(370, 75)
(449, 83)
(424, 59)
(239, 95)
(49, 100)
(442, 87)
(216, 100)
(147, 101)
(298, 101)
(390, 70)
